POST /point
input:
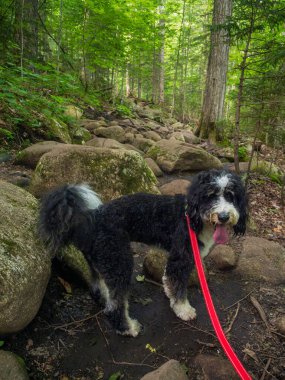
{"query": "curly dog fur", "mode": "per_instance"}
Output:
(103, 232)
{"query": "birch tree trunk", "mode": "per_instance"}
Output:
(214, 95)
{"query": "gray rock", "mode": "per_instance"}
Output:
(152, 135)
(173, 156)
(30, 156)
(142, 143)
(114, 132)
(215, 368)
(154, 167)
(190, 138)
(177, 136)
(24, 263)
(171, 370)
(223, 257)
(12, 367)
(155, 262)
(178, 186)
(100, 142)
(262, 260)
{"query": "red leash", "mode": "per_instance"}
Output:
(211, 309)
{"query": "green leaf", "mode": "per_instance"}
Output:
(2, 343)
(115, 376)
(140, 278)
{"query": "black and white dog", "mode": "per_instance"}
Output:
(74, 214)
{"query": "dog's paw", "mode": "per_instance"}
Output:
(184, 310)
(134, 328)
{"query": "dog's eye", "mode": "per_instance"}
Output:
(229, 196)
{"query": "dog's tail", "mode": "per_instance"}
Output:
(62, 211)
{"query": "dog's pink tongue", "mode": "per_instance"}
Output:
(221, 234)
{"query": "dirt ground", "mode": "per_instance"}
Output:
(71, 339)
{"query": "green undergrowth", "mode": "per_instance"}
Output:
(32, 96)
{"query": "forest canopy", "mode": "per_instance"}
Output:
(57, 52)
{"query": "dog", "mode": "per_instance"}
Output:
(215, 201)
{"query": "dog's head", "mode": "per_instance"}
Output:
(217, 197)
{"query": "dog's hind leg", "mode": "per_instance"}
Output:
(176, 277)
(115, 266)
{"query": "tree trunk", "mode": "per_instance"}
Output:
(240, 93)
(214, 96)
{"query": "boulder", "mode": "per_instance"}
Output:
(113, 132)
(73, 111)
(76, 262)
(100, 142)
(215, 368)
(92, 125)
(171, 370)
(24, 263)
(152, 135)
(142, 143)
(177, 186)
(30, 156)
(154, 167)
(12, 367)
(155, 262)
(58, 131)
(225, 153)
(173, 156)
(177, 136)
(223, 257)
(80, 135)
(262, 260)
(190, 138)
(111, 172)
(149, 113)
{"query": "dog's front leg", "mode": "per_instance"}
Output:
(176, 276)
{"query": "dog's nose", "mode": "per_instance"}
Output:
(223, 217)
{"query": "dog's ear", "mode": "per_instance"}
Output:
(193, 209)
(240, 227)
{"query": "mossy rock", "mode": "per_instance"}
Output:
(80, 135)
(58, 131)
(110, 172)
(12, 367)
(24, 262)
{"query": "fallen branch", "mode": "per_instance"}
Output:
(265, 371)
(260, 310)
(211, 345)
(233, 320)
(238, 301)
(76, 322)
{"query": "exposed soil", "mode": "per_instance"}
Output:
(70, 338)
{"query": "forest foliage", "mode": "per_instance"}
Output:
(58, 52)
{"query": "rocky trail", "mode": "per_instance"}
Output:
(70, 339)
